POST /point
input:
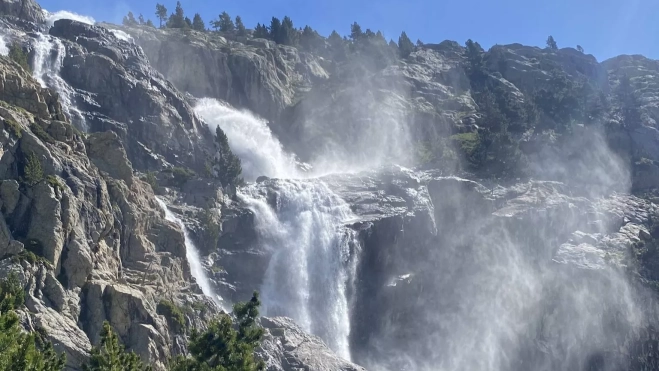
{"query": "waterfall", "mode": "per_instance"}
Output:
(65, 14)
(192, 254)
(312, 266)
(250, 139)
(4, 49)
(49, 54)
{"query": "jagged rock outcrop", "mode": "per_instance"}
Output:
(287, 348)
(24, 9)
(116, 90)
(257, 74)
(103, 248)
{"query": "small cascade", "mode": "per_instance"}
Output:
(313, 265)
(4, 48)
(48, 61)
(192, 254)
(250, 139)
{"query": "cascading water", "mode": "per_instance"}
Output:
(192, 254)
(312, 267)
(310, 270)
(4, 50)
(48, 60)
(250, 139)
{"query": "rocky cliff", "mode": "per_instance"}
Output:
(86, 237)
(388, 267)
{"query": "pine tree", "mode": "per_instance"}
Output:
(226, 165)
(198, 23)
(419, 43)
(225, 23)
(141, 19)
(379, 37)
(150, 24)
(261, 31)
(356, 31)
(161, 13)
(275, 29)
(129, 20)
(288, 35)
(111, 356)
(20, 350)
(551, 43)
(580, 49)
(309, 39)
(177, 19)
(335, 39)
(240, 27)
(221, 347)
(405, 45)
(369, 34)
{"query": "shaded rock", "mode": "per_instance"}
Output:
(108, 154)
(9, 194)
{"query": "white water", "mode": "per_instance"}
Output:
(312, 265)
(192, 254)
(4, 48)
(49, 58)
(65, 14)
(250, 139)
(121, 35)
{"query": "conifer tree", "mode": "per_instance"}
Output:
(111, 356)
(161, 13)
(240, 27)
(405, 45)
(198, 23)
(551, 43)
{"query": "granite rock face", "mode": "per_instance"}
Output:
(72, 200)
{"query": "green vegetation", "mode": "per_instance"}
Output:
(13, 127)
(405, 45)
(19, 56)
(182, 175)
(41, 133)
(20, 350)
(551, 43)
(210, 226)
(223, 347)
(32, 170)
(54, 182)
(198, 23)
(110, 355)
(225, 165)
(173, 313)
(152, 180)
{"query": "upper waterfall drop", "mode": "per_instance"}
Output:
(48, 61)
(250, 139)
(192, 254)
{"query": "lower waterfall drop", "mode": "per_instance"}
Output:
(192, 254)
(312, 267)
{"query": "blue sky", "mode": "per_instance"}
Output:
(604, 28)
